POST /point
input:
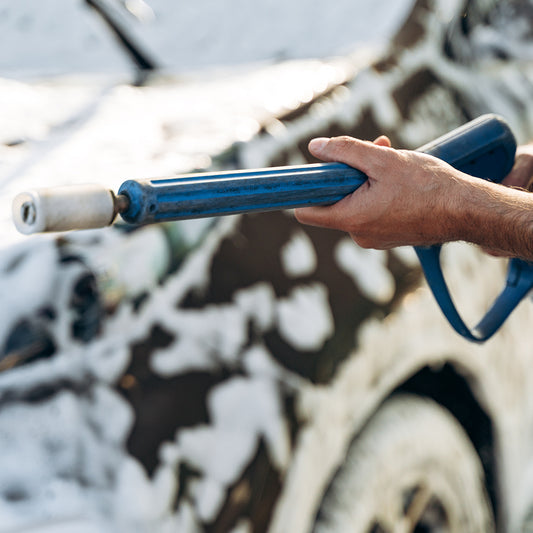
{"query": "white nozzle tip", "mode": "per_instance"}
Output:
(63, 208)
(26, 208)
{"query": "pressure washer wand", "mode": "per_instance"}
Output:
(484, 147)
(183, 197)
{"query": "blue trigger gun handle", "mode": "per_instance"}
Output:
(488, 153)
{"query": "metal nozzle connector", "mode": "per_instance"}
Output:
(122, 203)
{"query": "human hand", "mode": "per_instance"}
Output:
(404, 201)
(521, 174)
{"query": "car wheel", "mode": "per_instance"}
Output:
(411, 469)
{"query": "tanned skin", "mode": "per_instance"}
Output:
(412, 198)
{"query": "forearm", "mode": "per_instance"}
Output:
(497, 218)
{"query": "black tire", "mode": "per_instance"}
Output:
(412, 469)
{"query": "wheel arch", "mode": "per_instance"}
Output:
(453, 386)
(446, 380)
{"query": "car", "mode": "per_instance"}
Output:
(248, 373)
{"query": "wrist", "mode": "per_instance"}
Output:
(494, 217)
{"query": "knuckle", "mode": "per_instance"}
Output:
(341, 144)
(403, 157)
(362, 242)
(361, 239)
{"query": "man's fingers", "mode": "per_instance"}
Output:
(331, 216)
(383, 140)
(363, 155)
(316, 146)
(316, 216)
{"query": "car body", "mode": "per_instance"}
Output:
(229, 374)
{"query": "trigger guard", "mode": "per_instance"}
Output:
(518, 283)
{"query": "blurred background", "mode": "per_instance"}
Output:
(246, 374)
(58, 38)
